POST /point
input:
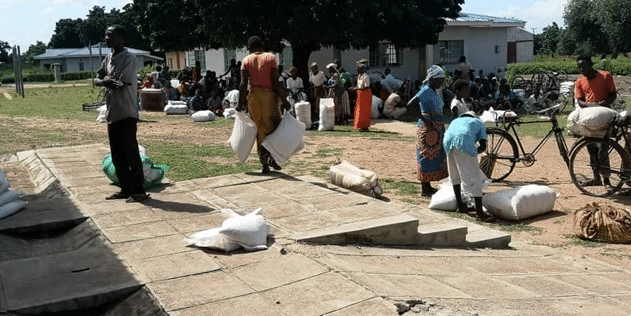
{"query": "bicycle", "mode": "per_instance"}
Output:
(589, 173)
(502, 151)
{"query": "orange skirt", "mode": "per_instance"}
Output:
(363, 108)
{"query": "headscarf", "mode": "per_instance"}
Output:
(332, 66)
(434, 72)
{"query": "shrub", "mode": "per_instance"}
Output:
(620, 66)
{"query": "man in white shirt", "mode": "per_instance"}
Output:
(317, 80)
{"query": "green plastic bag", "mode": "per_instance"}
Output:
(154, 174)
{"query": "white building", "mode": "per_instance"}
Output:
(78, 59)
(488, 43)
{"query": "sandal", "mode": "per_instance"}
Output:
(117, 196)
(137, 198)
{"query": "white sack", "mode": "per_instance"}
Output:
(567, 89)
(327, 114)
(521, 202)
(243, 136)
(11, 207)
(176, 107)
(376, 104)
(355, 179)
(102, 117)
(9, 196)
(495, 116)
(286, 139)
(212, 238)
(142, 150)
(445, 199)
(591, 122)
(230, 113)
(249, 231)
(203, 116)
(303, 112)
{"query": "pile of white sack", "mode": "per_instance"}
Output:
(591, 122)
(567, 89)
(492, 116)
(355, 179)
(9, 199)
(203, 116)
(249, 231)
(286, 140)
(176, 107)
(512, 204)
(230, 113)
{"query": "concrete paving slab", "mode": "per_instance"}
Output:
(538, 265)
(543, 285)
(299, 193)
(395, 285)
(485, 287)
(488, 238)
(42, 215)
(256, 200)
(397, 264)
(595, 284)
(393, 230)
(277, 184)
(153, 247)
(178, 202)
(333, 200)
(274, 272)
(318, 295)
(221, 203)
(219, 181)
(105, 207)
(307, 222)
(174, 266)
(205, 195)
(236, 190)
(124, 218)
(198, 289)
(373, 307)
(491, 265)
(179, 187)
(94, 189)
(590, 305)
(138, 231)
(257, 177)
(193, 224)
(373, 209)
(252, 304)
(284, 209)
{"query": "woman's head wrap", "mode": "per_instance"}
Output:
(434, 72)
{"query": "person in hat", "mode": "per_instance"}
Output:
(363, 104)
(432, 165)
(460, 142)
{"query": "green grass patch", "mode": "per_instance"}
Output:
(404, 188)
(574, 240)
(187, 161)
(517, 227)
(328, 152)
(348, 131)
(53, 102)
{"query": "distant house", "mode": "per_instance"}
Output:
(78, 59)
(489, 43)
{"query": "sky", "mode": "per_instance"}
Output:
(24, 22)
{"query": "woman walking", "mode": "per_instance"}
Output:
(432, 164)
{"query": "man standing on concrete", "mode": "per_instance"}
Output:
(118, 76)
(595, 88)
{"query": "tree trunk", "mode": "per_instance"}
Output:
(300, 60)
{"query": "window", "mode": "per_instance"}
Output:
(195, 56)
(228, 55)
(385, 54)
(449, 52)
(286, 57)
(81, 67)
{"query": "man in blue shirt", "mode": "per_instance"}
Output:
(462, 160)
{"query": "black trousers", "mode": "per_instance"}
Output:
(125, 155)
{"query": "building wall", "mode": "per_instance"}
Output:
(73, 64)
(525, 44)
(175, 60)
(485, 48)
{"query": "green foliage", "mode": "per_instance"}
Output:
(37, 75)
(5, 52)
(52, 102)
(547, 42)
(620, 66)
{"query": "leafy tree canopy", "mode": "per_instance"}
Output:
(306, 24)
(4, 52)
(546, 43)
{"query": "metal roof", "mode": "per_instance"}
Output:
(469, 19)
(54, 53)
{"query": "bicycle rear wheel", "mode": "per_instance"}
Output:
(500, 157)
(590, 170)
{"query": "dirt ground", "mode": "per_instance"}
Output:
(395, 159)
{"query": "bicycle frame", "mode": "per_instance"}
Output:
(556, 130)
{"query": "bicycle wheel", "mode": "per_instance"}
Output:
(518, 83)
(499, 159)
(590, 171)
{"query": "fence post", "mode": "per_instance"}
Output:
(17, 66)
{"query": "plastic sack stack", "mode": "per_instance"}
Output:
(176, 107)
(303, 113)
(249, 232)
(9, 199)
(327, 115)
(286, 140)
(154, 174)
(203, 116)
(355, 179)
(243, 136)
(521, 202)
(591, 121)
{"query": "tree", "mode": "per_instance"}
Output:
(306, 25)
(34, 50)
(4, 52)
(547, 42)
(66, 34)
(614, 17)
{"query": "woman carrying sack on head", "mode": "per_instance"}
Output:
(363, 105)
(430, 130)
(261, 89)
